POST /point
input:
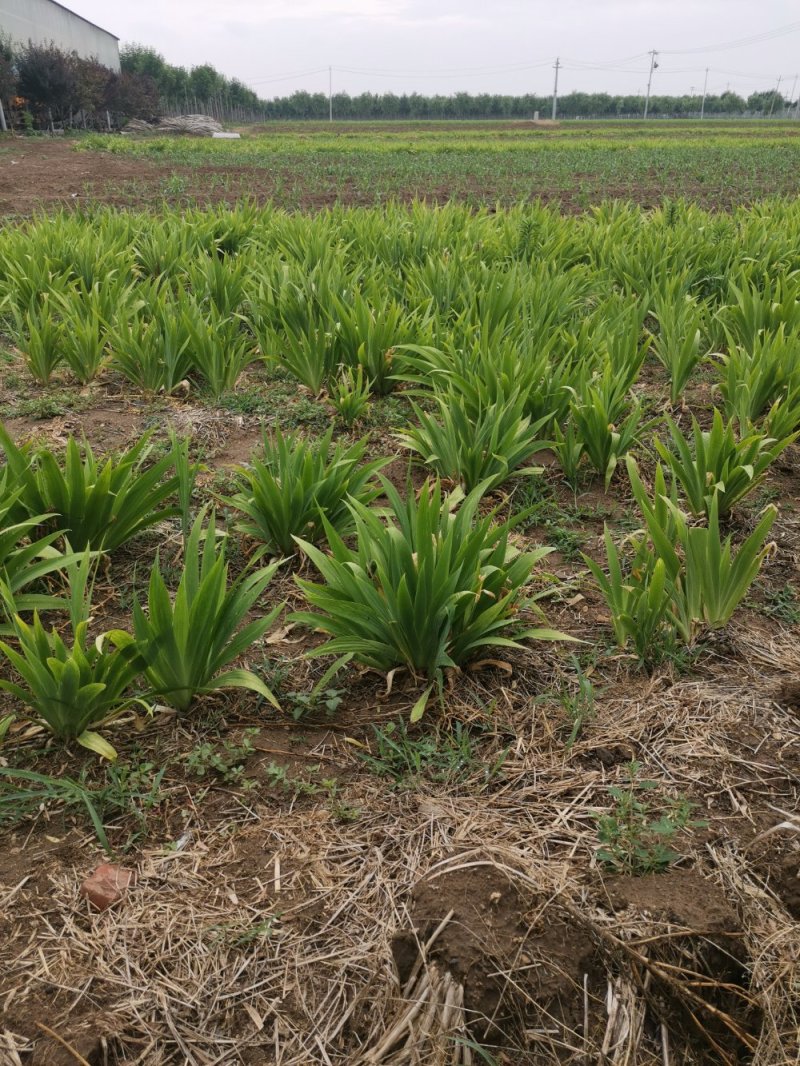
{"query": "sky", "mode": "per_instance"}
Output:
(447, 46)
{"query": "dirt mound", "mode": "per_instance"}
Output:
(660, 959)
(517, 967)
(680, 940)
(681, 897)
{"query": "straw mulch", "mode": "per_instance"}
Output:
(270, 934)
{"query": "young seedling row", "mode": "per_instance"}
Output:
(517, 335)
(462, 642)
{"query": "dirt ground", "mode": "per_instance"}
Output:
(45, 174)
(48, 174)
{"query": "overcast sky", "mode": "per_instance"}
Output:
(473, 45)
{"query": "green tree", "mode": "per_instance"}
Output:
(141, 59)
(766, 101)
(204, 82)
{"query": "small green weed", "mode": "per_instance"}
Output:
(578, 704)
(306, 412)
(235, 934)
(225, 760)
(278, 777)
(342, 812)
(781, 603)
(174, 185)
(636, 834)
(40, 407)
(387, 412)
(302, 704)
(22, 792)
(563, 527)
(247, 402)
(448, 755)
(133, 789)
(133, 786)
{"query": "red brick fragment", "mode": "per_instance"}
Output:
(107, 884)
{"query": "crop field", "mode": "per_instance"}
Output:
(403, 600)
(718, 165)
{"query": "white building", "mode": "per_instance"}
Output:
(46, 22)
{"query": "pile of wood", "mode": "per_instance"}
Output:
(199, 125)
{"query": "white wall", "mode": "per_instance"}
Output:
(42, 21)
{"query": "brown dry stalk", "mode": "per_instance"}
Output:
(60, 1040)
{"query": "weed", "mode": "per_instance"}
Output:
(43, 406)
(224, 760)
(133, 789)
(579, 704)
(278, 777)
(781, 603)
(247, 402)
(302, 704)
(23, 792)
(239, 935)
(635, 835)
(174, 185)
(448, 755)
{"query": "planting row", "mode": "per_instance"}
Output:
(720, 165)
(204, 294)
(425, 582)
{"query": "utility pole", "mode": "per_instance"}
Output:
(653, 66)
(705, 90)
(330, 94)
(791, 97)
(555, 88)
(775, 96)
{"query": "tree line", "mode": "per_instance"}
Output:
(184, 90)
(304, 105)
(180, 88)
(44, 86)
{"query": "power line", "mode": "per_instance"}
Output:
(768, 35)
(617, 65)
(742, 74)
(491, 72)
(616, 70)
(610, 66)
(285, 77)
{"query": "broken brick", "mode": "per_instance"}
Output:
(107, 884)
